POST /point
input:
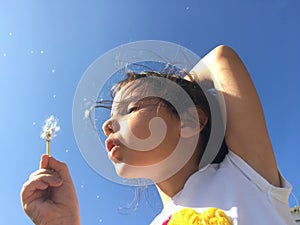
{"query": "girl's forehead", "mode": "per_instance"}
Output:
(134, 91)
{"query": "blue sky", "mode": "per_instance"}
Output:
(45, 47)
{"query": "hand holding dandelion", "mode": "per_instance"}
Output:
(49, 131)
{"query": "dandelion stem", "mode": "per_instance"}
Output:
(48, 147)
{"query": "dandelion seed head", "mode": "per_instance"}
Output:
(50, 128)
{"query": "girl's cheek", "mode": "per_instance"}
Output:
(140, 129)
(138, 125)
(130, 127)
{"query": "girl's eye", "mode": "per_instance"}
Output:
(132, 109)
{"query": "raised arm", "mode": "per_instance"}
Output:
(246, 131)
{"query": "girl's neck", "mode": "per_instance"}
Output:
(170, 187)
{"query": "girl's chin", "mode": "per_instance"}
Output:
(132, 172)
(126, 171)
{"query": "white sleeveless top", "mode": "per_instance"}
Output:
(236, 188)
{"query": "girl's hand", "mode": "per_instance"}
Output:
(49, 196)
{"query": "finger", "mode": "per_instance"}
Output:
(44, 161)
(30, 190)
(35, 173)
(61, 168)
(38, 183)
(49, 179)
(45, 172)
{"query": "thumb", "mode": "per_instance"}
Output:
(44, 161)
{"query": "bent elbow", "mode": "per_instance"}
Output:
(224, 51)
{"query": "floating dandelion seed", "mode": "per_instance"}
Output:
(49, 131)
(87, 114)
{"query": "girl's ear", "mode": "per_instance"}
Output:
(193, 122)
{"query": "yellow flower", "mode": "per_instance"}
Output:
(188, 216)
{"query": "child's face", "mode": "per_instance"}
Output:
(130, 140)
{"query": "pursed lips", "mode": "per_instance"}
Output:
(109, 144)
(112, 147)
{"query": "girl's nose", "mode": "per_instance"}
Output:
(110, 126)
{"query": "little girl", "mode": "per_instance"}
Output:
(156, 131)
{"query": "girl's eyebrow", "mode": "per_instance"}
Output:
(116, 106)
